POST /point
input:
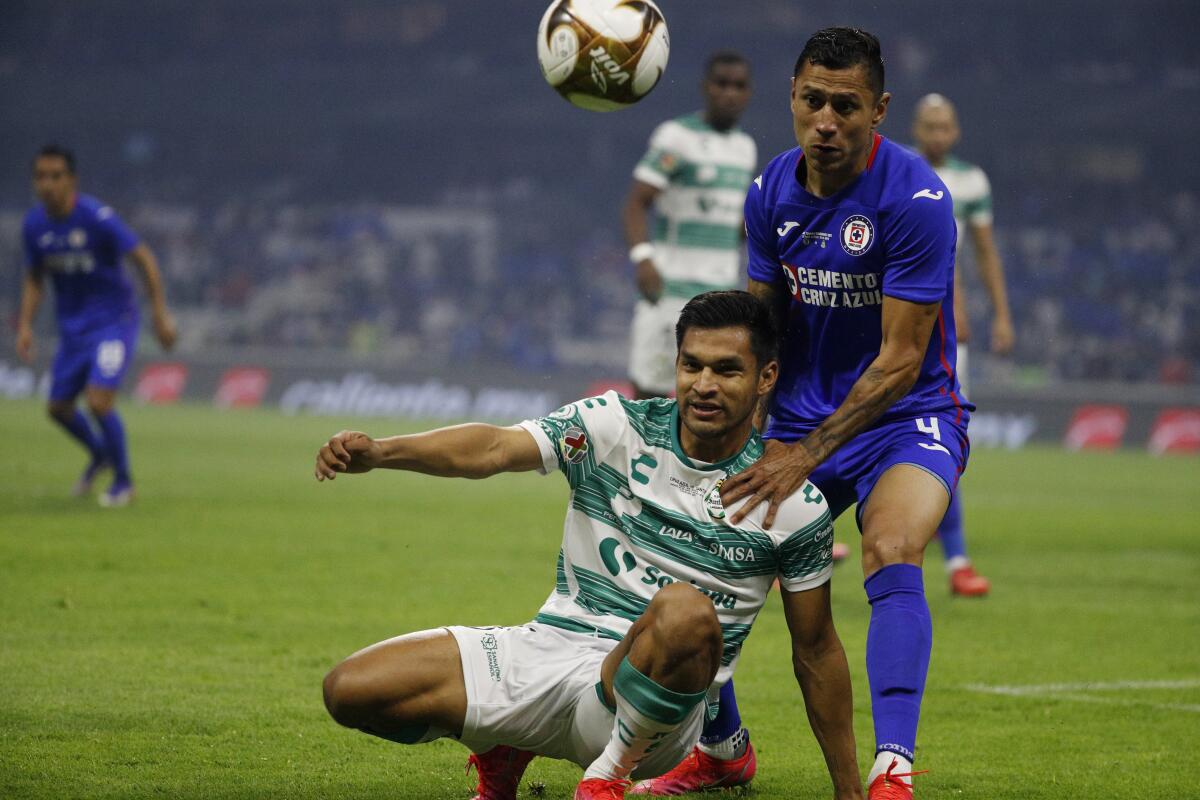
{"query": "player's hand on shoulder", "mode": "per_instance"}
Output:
(165, 330)
(649, 281)
(25, 348)
(347, 451)
(776, 476)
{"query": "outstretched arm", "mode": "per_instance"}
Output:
(783, 467)
(164, 323)
(819, 662)
(473, 450)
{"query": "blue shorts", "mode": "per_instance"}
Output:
(933, 442)
(98, 358)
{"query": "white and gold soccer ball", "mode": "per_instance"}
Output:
(603, 55)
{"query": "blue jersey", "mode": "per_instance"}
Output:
(83, 254)
(890, 232)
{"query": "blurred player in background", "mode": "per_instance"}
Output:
(656, 589)
(81, 243)
(935, 133)
(694, 176)
(851, 239)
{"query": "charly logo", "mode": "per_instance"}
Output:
(574, 445)
(857, 235)
(712, 501)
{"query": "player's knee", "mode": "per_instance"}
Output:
(99, 404)
(59, 410)
(890, 546)
(348, 695)
(685, 619)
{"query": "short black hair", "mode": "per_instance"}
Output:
(731, 309)
(842, 48)
(724, 57)
(57, 151)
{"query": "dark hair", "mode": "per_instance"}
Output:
(57, 151)
(731, 309)
(842, 48)
(723, 57)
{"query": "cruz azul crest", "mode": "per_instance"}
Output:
(857, 235)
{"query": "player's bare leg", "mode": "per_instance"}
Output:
(654, 678)
(403, 689)
(411, 690)
(900, 518)
(101, 402)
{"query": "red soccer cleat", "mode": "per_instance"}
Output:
(841, 551)
(700, 771)
(500, 770)
(888, 786)
(600, 789)
(966, 582)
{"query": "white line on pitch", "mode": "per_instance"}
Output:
(1110, 686)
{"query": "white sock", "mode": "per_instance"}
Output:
(728, 749)
(634, 736)
(884, 759)
(958, 562)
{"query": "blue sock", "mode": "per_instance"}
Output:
(951, 531)
(113, 431)
(80, 430)
(899, 642)
(727, 722)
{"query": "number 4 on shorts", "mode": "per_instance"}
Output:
(929, 426)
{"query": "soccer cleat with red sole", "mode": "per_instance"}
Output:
(600, 789)
(966, 582)
(840, 552)
(700, 771)
(888, 786)
(500, 770)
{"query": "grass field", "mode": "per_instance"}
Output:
(176, 648)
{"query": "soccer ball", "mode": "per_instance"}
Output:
(603, 54)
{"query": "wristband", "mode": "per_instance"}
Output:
(641, 252)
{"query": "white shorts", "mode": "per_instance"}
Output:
(537, 688)
(652, 344)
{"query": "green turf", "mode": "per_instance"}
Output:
(176, 648)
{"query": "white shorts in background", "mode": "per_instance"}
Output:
(537, 688)
(652, 344)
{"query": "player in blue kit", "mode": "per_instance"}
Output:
(81, 244)
(851, 239)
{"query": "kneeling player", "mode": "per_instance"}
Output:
(655, 594)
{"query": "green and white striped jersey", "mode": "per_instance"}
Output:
(643, 515)
(703, 175)
(968, 185)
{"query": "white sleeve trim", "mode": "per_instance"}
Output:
(549, 454)
(807, 582)
(651, 176)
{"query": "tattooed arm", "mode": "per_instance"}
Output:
(776, 301)
(907, 328)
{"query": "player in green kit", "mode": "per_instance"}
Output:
(935, 132)
(693, 177)
(655, 590)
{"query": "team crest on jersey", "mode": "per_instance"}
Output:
(573, 445)
(77, 237)
(857, 235)
(712, 501)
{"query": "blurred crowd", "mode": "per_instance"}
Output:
(1114, 296)
(397, 181)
